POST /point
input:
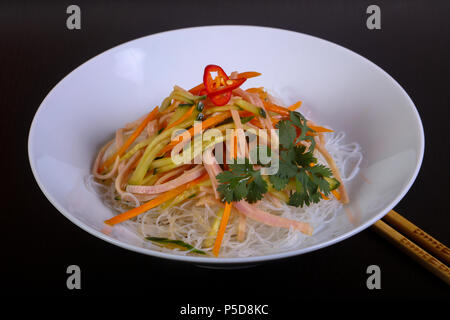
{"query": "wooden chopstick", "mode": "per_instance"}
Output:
(419, 236)
(413, 250)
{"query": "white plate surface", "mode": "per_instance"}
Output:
(338, 87)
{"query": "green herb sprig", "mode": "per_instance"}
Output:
(297, 166)
(241, 182)
(298, 170)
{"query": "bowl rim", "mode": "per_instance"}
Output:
(238, 260)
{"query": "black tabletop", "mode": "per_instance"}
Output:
(39, 243)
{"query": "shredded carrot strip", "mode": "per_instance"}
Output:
(277, 109)
(248, 74)
(241, 227)
(256, 123)
(295, 106)
(211, 121)
(336, 194)
(182, 118)
(324, 197)
(197, 89)
(154, 202)
(223, 225)
(260, 91)
(320, 129)
(275, 120)
(130, 140)
(255, 90)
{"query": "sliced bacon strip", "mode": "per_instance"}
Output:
(165, 117)
(270, 219)
(99, 159)
(123, 172)
(135, 124)
(169, 175)
(212, 168)
(152, 128)
(188, 176)
(241, 227)
(119, 138)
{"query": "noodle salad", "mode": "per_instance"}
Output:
(222, 171)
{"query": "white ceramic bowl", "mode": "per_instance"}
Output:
(341, 88)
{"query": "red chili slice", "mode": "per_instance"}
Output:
(220, 99)
(219, 89)
(230, 86)
(208, 80)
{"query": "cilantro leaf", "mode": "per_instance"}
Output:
(297, 164)
(279, 183)
(286, 169)
(318, 173)
(322, 184)
(299, 199)
(241, 182)
(230, 189)
(303, 179)
(297, 119)
(320, 170)
(303, 158)
(300, 122)
(308, 186)
(287, 133)
(256, 188)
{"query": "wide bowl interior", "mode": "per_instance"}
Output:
(338, 88)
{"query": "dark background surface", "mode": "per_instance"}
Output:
(38, 243)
